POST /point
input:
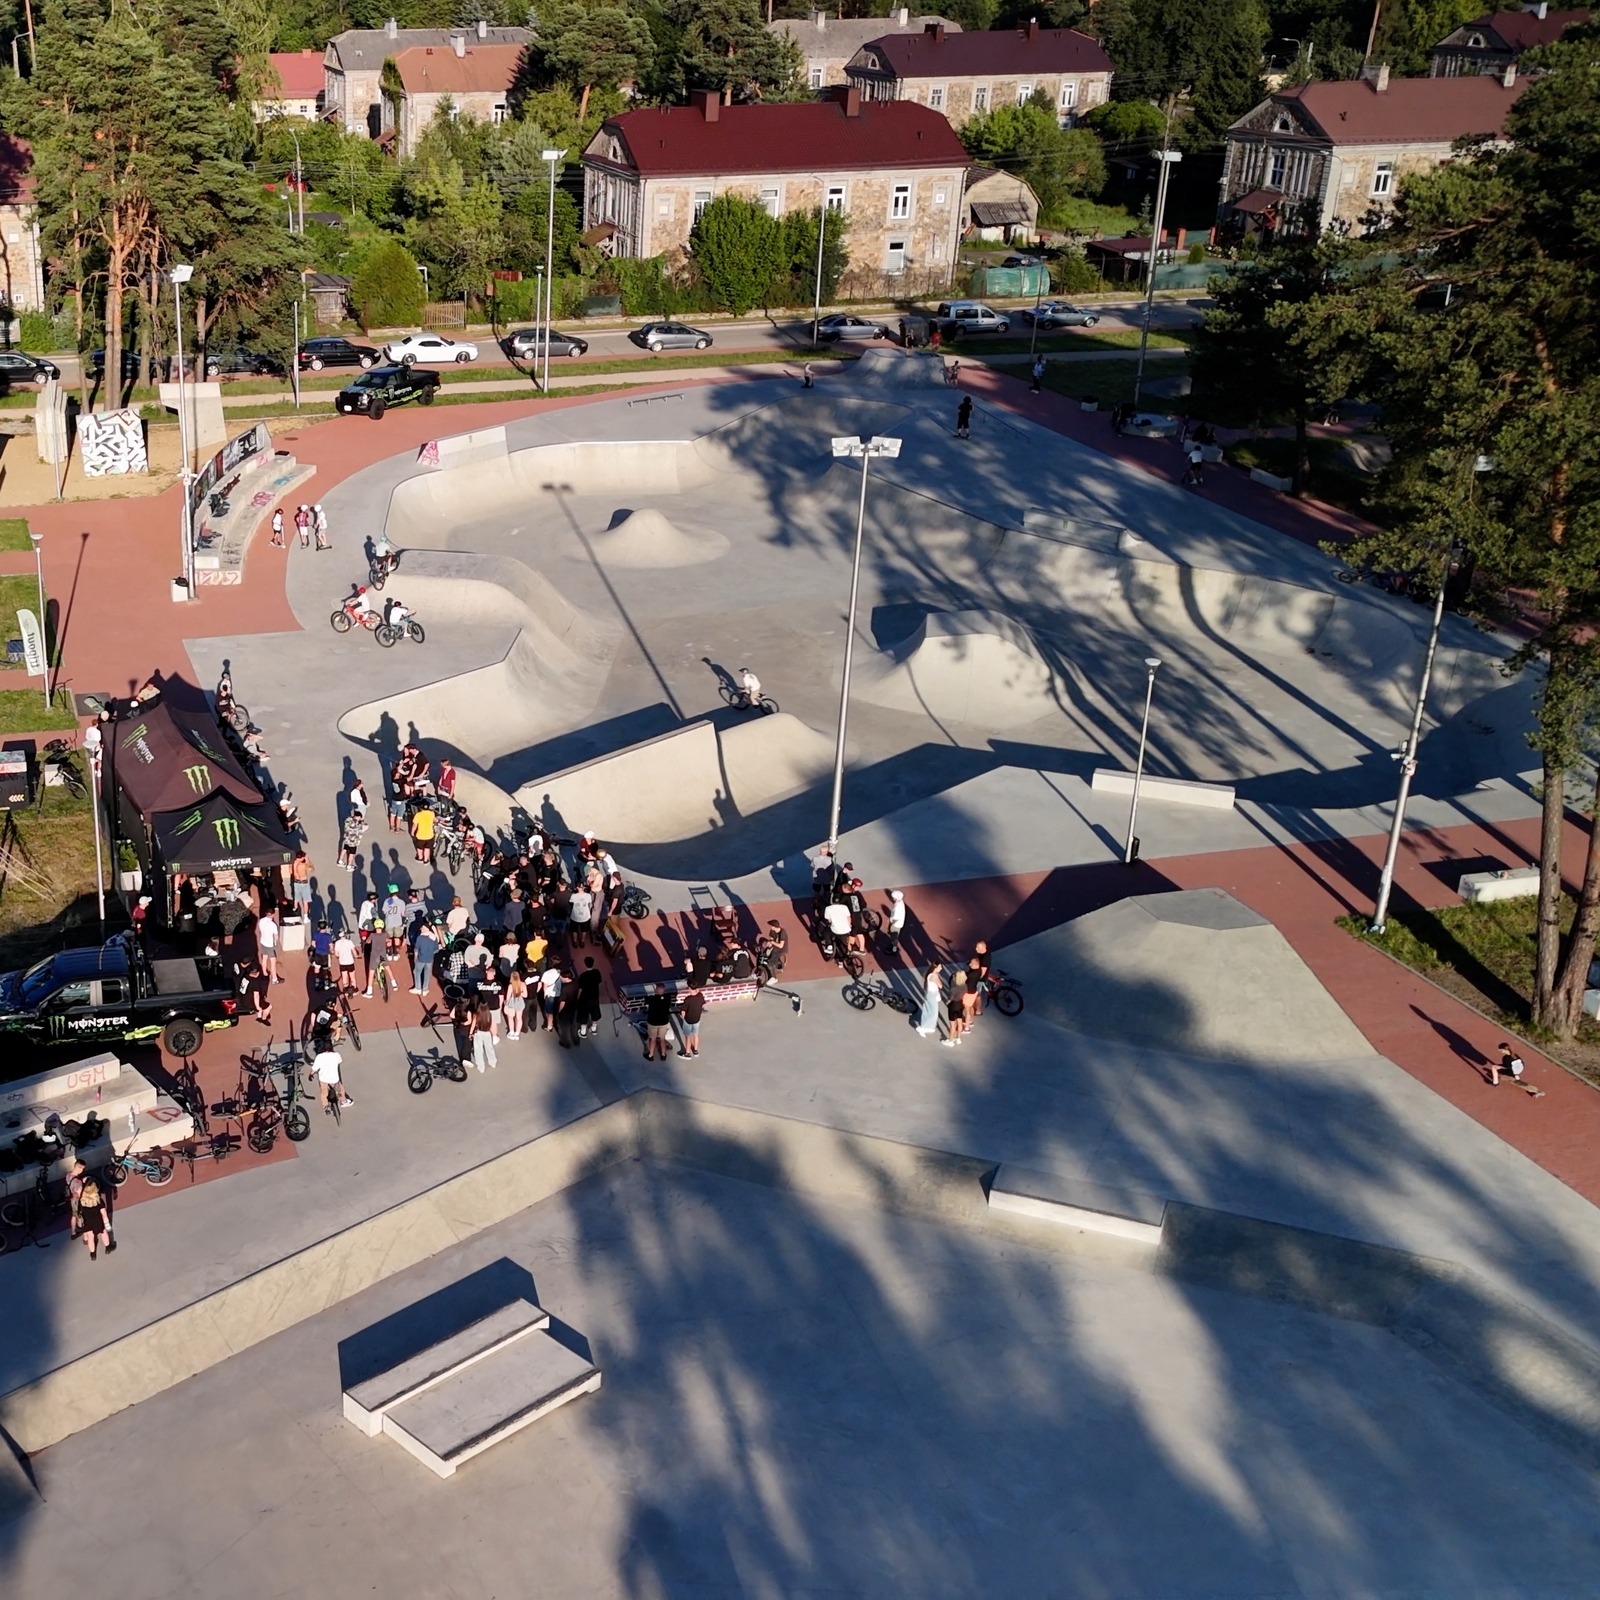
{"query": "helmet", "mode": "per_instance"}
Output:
(897, 894)
(394, 888)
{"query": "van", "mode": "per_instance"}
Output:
(971, 316)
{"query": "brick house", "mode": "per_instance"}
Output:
(297, 90)
(827, 44)
(21, 261)
(963, 74)
(896, 170)
(1487, 46)
(352, 66)
(1343, 147)
(475, 78)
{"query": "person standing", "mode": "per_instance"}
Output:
(588, 1008)
(300, 870)
(964, 418)
(690, 1010)
(483, 1051)
(772, 951)
(267, 944)
(550, 995)
(928, 1022)
(422, 956)
(90, 1218)
(1194, 474)
(355, 824)
(277, 527)
(457, 917)
(302, 522)
(446, 784)
(344, 955)
(896, 924)
(657, 1020)
(319, 522)
(1038, 374)
(956, 1010)
(515, 1004)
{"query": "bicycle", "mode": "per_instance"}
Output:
(635, 901)
(352, 1032)
(36, 1207)
(739, 699)
(214, 1147)
(1006, 993)
(422, 1070)
(863, 995)
(59, 757)
(156, 1168)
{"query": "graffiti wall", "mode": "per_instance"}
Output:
(111, 442)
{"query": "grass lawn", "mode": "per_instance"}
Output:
(1069, 341)
(1484, 955)
(22, 711)
(47, 899)
(1085, 216)
(1110, 382)
(14, 534)
(1331, 479)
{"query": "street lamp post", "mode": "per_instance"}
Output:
(1166, 158)
(551, 156)
(180, 273)
(44, 616)
(299, 189)
(1408, 759)
(1130, 852)
(866, 449)
(822, 233)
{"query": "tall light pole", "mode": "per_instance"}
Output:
(822, 233)
(299, 188)
(888, 449)
(180, 273)
(1130, 851)
(1408, 758)
(1166, 158)
(44, 616)
(551, 156)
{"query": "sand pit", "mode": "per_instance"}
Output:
(649, 539)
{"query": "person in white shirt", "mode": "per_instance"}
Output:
(267, 945)
(328, 1065)
(837, 917)
(751, 684)
(344, 956)
(897, 915)
(550, 996)
(457, 917)
(578, 918)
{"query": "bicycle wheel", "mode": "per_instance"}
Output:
(385, 635)
(730, 696)
(898, 1002)
(416, 633)
(116, 1173)
(455, 860)
(262, 1134)
(333, 1103)
(871, 921)
(340, 622)
(769, 706)
(239, 718)
(455, 1071)
(854, 965)
(1008, 1000)
(859, 996)
(159, 1169)
(419, 1078)
(14, 1213)
(350, 1023)
(635, 905)
(75, 785)
(297, 1125)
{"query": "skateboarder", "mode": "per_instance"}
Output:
(964, 418)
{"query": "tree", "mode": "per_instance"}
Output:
(738, 250)
(584, 43)
(797, 233)
(1026, 140)
(387, 289)
(1507, 378)
(725, 46)
(454, 224)
(1279, 347)
(1128, 122)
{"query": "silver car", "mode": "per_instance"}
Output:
(670, 336)
(1061, 314)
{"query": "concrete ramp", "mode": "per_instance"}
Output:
(684, 783)
(1195, 972)
(898, 369)
(649, 539)
(964, 666)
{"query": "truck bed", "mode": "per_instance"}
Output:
(177, 975)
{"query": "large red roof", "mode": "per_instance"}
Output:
(1409, 110)
(16, 171)
(801, 137)
(300, 73)
(1522, 30)
(997, 53)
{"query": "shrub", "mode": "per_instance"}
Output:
(1197, 254)
(739, 252)
(1071, 273)
(387, 291)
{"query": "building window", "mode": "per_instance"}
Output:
(895, 261)
(664, 205)
(936, 97)
(1475, 41)
(900, 201)
(1024, 93)
(1383, 178)
(1280, 165)
(816, 77)
(701, 200)
(1069, 95)
(980, 97)
(836, 197)
(770, 201)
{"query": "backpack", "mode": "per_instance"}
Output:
(89, 1195)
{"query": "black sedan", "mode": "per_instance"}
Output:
(316, 354)
(671, 336)
(526, 344)
(17, 370)
(374, 392)
(843, 326)
(132, 366)
(251, 362)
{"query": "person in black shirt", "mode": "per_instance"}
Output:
(772, 950)
(690, 1010)
(698, 970)
(657, 1021)
(588, 999)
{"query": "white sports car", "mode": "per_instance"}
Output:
(429, 348)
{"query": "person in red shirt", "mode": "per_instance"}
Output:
(446, 784)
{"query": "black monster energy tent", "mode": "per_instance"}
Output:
(219, 833)
(164, 760)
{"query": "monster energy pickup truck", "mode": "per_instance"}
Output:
(116, 992)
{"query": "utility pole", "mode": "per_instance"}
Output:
(1166, 156)
(299, 201)
(180, 274)
(822, 233)
(552, 156)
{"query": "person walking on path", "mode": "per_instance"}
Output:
(657, 1021)
(90, 1218)
(1513, 1065)
(267, 944)
(515, 1004)
(319, 522)
(277, 527)
(690, 1010)
(422, 956)
(928, 1022)
(483, 1051)
(1038, 374)
(589, 981)
(1194, 473)
(964, 418)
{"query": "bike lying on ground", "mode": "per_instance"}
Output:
(863, 995)
(422, 1070)
(154, 1166)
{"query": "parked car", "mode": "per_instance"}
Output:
(429, 347)
(374, 392)
(670, 336)
(1023, 261)
(1060, 314)
(841, 325)
(17, 369)
(132, 367)
(970, 316)
(525, 343)
(331, 352)
(253, 363)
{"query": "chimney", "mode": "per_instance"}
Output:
(820, 18)
(1509, 76)
(848, 95)
(707, 102)
(1032, 31)
(1377, 76)
(483, 29)
(902, 17)
(458, 44)
(935, 31)
(391, 29)
(1541, 9)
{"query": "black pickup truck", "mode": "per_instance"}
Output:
(116, 992)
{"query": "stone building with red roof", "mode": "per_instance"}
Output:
(1489, 44)
(897, 169)
(1341, 148)
(21, 261)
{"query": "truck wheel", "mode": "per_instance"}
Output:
(182, 1037)
(376, 410)
(426, 397)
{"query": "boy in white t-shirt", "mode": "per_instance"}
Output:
(328, 1065)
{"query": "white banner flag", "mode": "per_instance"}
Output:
(32, 643)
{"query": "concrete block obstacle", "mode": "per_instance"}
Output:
(1511, 883)
(1072, 1203)
(366, 1403)
(1170, 791)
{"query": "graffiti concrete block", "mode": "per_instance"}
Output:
(113, 442)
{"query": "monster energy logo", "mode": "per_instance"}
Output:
(135, 736)
(190, 822)
(199, 778)
(227, 831)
